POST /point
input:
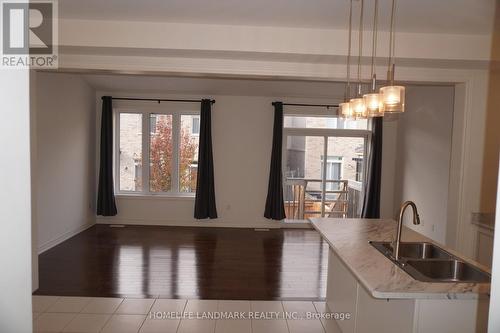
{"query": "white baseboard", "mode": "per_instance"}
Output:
(202, 223)
(296, 224)
(58, 240)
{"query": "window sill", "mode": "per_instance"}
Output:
(189, 197)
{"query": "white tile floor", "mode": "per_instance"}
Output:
(117, 315)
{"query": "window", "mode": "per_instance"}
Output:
(130, 143)
(195, 127)
(152, 124)
(161, 154)
(163, 162)
(325, 122)
(333, 170)
(188, 166)
(359, 168)
(138, 174)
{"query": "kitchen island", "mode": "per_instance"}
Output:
(382, 297)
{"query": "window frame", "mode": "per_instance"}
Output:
(358, 162)
(320, 113)
(325, 133)
(176, 111)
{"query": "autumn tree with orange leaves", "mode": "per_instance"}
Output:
(161, 155)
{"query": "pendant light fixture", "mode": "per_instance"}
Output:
(358, 104)
(373, 100)
(345, 107)
(392, 97)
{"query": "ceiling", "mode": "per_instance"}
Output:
(209, 86)
(440, 16)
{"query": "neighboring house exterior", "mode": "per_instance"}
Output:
(130, 152)
(305, 153)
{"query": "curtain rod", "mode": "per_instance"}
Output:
(310, 105)
(159, 100)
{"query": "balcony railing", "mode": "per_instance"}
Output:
(306, 198)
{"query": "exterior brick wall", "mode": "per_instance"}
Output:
(347, 149)
(130, 151)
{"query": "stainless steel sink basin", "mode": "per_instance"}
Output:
(430, 263)
(445, 270)
(414, 250)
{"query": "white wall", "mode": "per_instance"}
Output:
(65, 172)
(423, 157)
(85, 42)
(15, 206)
(389, 157)
(33, 155)
(494, 318)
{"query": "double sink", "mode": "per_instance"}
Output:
(429, 263)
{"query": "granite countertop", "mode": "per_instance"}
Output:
(349, 239)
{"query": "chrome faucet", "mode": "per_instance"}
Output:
(416, 221)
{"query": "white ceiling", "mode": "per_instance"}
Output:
(444, 16)
(210, 87)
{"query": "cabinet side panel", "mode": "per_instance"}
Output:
(453, 316)
(380, 315)
(341, 292)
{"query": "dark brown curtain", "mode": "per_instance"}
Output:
(205, 206)
(106, 205)
(371, 202)
(275, 208)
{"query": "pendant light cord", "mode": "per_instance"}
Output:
(374, 43)
(392, 42)
(348, 86)
(393, 24)
(360, 44)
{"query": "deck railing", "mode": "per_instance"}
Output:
(306, 198)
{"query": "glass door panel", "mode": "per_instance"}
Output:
(303, 176)
(324, 176)
(345, 171)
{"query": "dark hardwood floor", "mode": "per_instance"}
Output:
(182, 262)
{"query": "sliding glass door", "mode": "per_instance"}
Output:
(303, 176)
(324, 171)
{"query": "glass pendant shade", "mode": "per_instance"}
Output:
(372, 103)
(392, 99)
(345, 110)
(358, 107)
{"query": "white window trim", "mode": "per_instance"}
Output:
(146, 111)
